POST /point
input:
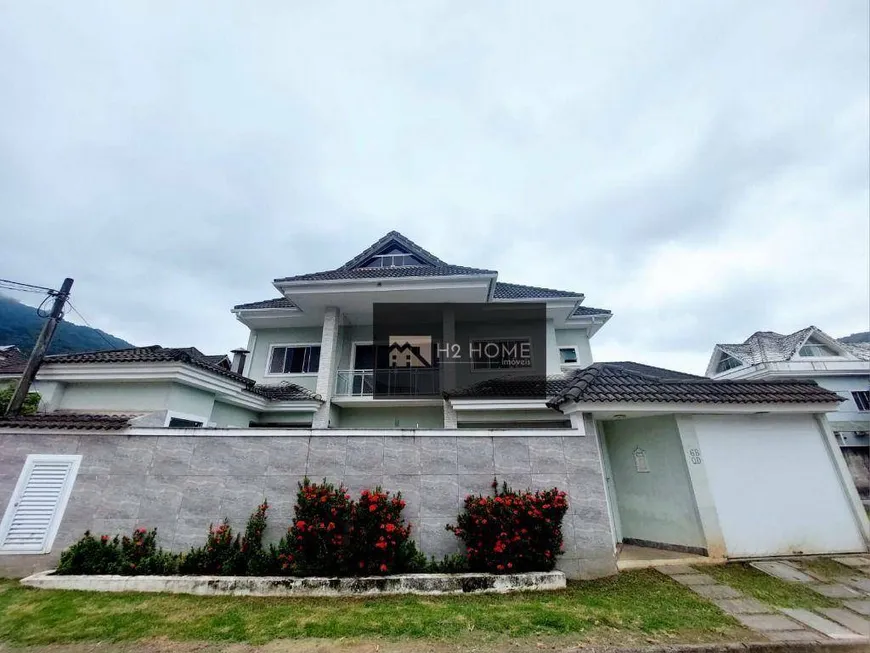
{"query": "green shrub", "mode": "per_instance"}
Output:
(129, 556)
(31, 401)
(225, 554)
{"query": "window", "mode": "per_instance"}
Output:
(37, 504)
(813, 347)
(727, 363)
(568, 355)
(392, 261)
(498, 354)
(300, 359)
(862, 399)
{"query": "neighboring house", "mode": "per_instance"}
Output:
(12, 363)
(810, 353)
(649, 457)
(172, 387)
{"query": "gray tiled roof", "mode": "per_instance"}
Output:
(530, 387)
(67, 421)
(625, 382)
(385, 273)
(517, 291)
(151, 354)
(278, 302)
(772, 347)
(589, 310)
(12, 361)
(189, 356)
(284, 392)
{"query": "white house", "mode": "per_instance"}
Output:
(811, 354)
(650, 457)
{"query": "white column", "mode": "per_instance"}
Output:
(448, 338)
(704, 500)
(326, 373)
(450, 419)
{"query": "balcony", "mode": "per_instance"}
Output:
(410, 382)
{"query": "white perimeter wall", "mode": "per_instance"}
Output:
(776, 488)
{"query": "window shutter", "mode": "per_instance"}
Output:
(36, 508)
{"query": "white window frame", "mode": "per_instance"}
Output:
(576, 355)
(866, 398)
(60, 506)
(390, 256)
(353, 346)
(725, 356)
(272, 348)
(477, 370)
(188, 416)
(819, 342)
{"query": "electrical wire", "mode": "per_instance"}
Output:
(100, 333)
(24, 287)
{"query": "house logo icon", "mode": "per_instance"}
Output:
(410, 351)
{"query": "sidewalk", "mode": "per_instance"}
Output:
(843, 581)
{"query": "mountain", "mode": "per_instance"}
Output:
(20, 326)
(863, 336)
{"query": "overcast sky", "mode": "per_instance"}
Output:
(700, 168)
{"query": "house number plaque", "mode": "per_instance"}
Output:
(640, 462)
(695, 455)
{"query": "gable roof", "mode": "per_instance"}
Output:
(392, 240)
(636, 383)
(12, 361)
(773, 347)
(430, 265)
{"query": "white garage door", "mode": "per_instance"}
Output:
(775, 486)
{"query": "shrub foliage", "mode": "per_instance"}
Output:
(512, 532)
(332, 535)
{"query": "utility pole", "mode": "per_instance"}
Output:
(39, 349)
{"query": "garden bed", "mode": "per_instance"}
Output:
(472, 583)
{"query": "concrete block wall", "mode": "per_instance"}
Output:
(181, 484)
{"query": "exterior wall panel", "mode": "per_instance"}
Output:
(180, 484)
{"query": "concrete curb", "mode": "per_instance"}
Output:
(744, 647)
(310, 586)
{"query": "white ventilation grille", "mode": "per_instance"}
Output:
(36, 508)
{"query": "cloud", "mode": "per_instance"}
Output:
(700, 169)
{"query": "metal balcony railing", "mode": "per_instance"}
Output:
(394, 382)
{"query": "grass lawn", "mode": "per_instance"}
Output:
(768, 589)
(638, 606)
(825, 567)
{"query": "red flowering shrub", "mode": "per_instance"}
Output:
(317, 543)
(220, 555)
(379, 536)
(512, 532)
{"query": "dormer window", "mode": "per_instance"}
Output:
(727, 363)
(813, 347)
(391, 261)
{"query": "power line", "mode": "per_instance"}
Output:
(25, 287)
(100, 333)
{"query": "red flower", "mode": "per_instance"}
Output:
(384, 568)
(300, 525)
(390, 528)
(372, 508)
